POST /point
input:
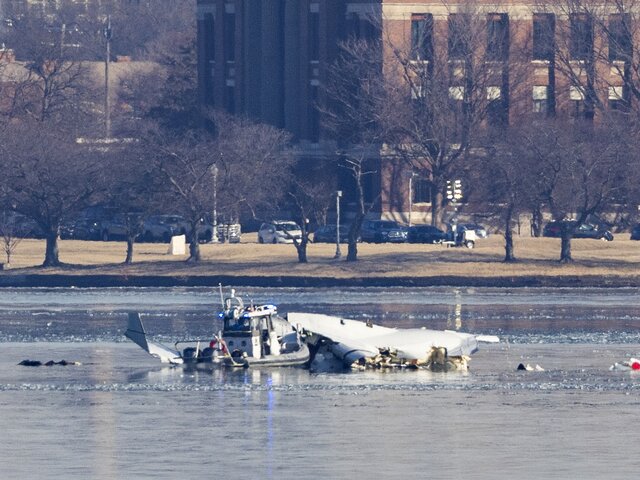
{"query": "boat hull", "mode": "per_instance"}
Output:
(293, 359)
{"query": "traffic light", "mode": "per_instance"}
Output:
(457, 190)
(454, 190)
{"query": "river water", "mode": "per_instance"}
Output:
(121, 415)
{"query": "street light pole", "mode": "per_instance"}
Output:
(411, 175)
(338, 195)
(107, 101)
(214, 237)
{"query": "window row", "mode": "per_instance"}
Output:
(580, 43)
(543, 96)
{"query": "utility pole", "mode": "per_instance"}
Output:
(411, 175)
(214, 238)
(338, 252)
(107, 100)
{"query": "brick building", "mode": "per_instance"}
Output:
(268, 59)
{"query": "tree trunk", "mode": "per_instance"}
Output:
(436, 211)
(565, 248)
(194, 245)
(51, 257)
(536, 221)
(509, 255)
(194, 250)
(352, 251)
(354, 233)
(301, 248)
(129, 259)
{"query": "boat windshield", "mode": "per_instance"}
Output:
(241, 324)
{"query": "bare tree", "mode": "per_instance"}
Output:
(506, 181)
(132, 190)
(49, 81)
(186, 165)
(582, 172)
(10, 234)
(167, 91)
(48, 177)
(594, 45)
(252, 162)
(354, 115)
(303, 201)
(451, 88)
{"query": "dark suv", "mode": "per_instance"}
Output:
(425, 234)
(586, 230)
(380, 231)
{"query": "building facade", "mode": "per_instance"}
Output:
(268, 59)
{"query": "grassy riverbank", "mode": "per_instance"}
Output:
(100, 263)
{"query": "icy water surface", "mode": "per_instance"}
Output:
(121, 415)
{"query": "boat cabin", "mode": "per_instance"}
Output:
(249, 331)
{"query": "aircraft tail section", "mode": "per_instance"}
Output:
(136, 333)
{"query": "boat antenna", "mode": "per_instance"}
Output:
(221, 299)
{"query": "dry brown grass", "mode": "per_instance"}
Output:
(536, 257)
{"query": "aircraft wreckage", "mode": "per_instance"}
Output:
(255, 335)
(337, 342)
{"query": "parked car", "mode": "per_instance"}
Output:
(586, 230)
(120, 226)
(380, 231)
(82, 229)
(481, 231)
(425, 234)
(279, 231)
(635, 232)
(160, 228)
(17, 225)
(327, 234)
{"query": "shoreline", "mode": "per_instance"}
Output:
(108, 280)
(99, 265)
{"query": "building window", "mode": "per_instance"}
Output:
(417, 92)
(314, 114)
(209, 37)
(230, 98)
(496, 112)
(209, 56)
(544, 26)
(497, 37)
(353, 25)
(314, 33)
(229, 35)
(541, 99)
(421, 190)
(576, 96)
(422, 37)
(458, 39)
(619, 36)
(456, 93)
(581, 40)
(493, 93)
(617, 99)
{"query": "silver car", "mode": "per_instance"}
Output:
(279, 231)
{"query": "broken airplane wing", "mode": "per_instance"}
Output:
(355, 341)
